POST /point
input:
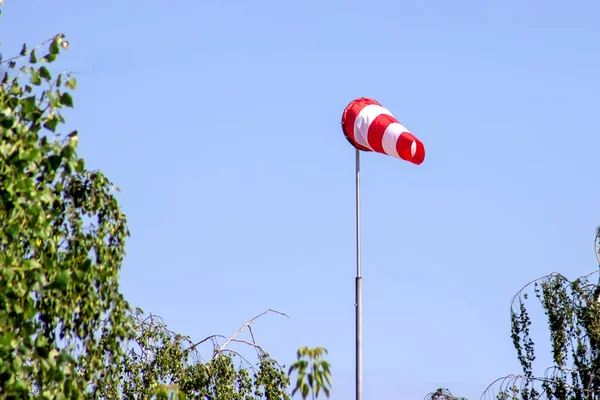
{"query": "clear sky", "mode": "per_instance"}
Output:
(220, 122)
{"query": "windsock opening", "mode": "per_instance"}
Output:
(349, 119)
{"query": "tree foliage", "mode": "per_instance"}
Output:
(62, 238)
(67, 332)
(573, 312)
(313, 372)
(572, 309)
(162, 363)
(442, 394)
(65, 329)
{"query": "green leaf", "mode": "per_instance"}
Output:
(54, 161)
(304, 390)
(54, 101)
(32, 57)
(71, 83)
(35, 79)
(48, 58)
(66, 99)
(80, 166)
(17, 363)
(28, 104)
(30, 154)
(44, 73)
(13, 229)
(15, 88)
(9, 273)
(51, 124)
(61, 281)
(7, 122)
(68, 152)
(73, 140)
(23, 50)
(54, 46)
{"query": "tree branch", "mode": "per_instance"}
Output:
(39, 46)
(256, 346)
(247, 325)
(193, 346)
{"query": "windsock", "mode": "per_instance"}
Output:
(370, 127)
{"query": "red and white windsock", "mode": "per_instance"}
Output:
(370, 127)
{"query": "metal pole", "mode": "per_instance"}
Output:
(358, 287)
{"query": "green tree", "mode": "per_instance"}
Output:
(162, 363)
(62, 238)
(573, 312)
(572, 309)
(65, 329)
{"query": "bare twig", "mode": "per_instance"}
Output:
(251, 334)
(259, 350)
(247, 325)
(193, 346)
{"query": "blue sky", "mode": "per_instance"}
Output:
(220, 121)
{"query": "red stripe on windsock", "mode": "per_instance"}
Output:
(404, 148)
(376, 131)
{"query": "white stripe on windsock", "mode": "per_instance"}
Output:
(363, 121)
